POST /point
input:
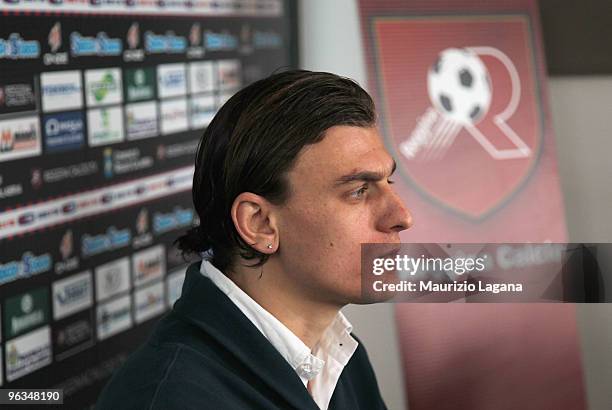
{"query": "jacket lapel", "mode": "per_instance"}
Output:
(207, 307)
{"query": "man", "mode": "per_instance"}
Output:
(291, 177)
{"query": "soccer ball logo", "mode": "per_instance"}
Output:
(459, 86)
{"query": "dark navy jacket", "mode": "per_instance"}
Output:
(205, 354)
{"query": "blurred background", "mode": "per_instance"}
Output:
(101, 108)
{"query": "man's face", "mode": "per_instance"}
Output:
(340, 197)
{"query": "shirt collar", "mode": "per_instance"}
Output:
(336, 339)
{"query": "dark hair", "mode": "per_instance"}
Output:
(251, 144)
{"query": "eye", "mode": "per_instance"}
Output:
(358, 194)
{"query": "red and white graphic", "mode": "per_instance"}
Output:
(457, 98)
(55, 37)
(478, 165)
(459, 88)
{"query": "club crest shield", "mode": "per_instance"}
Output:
(460, 106)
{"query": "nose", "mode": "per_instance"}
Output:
(397, 217)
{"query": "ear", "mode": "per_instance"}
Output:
(255, 222)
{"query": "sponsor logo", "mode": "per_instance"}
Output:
(143, 236)
(29, 265)
(174, 283)
(17, 95)
(73, 337)
(71, 295)
(201, 77)
(149, 302)
(28, 353)
(177, 150)
(108, 162)
(117, 162)
(24, 312)
(69, 261)
(133, 36)
(114, 317)
(19, 138)
(139, 84)
(9, 190)
(171, 80)
(173, 116)
(94, 202)
(54, 39)
(112, 239)
(101, 45)
(195, 42)
(149, 265)
(176, 219)
(133, 41)
(103, 86)
(105, 126)
(61, 91)
(201, 111)
(228, 73)
(246, 36)
(141, 120)
(112, 278)
(168, 43)
(59, 174)
(195, 35)
(16, 48)
(267, 40)
(223, 41)
(64, 131)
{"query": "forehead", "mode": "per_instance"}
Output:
(344, 149)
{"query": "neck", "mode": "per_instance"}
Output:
(305, 316)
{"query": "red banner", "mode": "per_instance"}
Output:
(460, 88)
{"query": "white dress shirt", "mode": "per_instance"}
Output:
(318, 369)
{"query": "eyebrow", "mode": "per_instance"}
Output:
(365, 176)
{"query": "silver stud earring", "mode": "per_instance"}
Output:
(269, 246)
